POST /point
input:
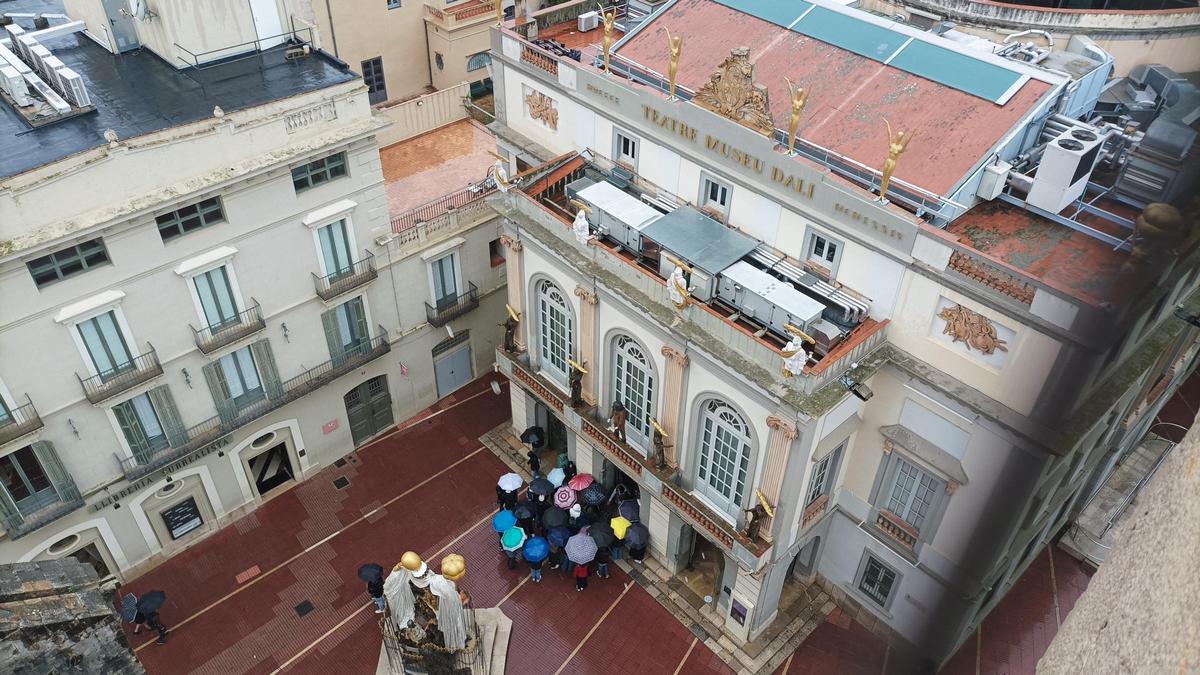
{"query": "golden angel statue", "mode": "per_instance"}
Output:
(610, 18)
(897, 144)
(676, 45)
(799, 98)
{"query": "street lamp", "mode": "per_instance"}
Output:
(862, 391)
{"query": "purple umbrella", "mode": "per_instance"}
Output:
(564, 497)
(637, 536)
(629, 510)
(581, 549)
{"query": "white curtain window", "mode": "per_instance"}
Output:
(335, 249)
(913, 492)
(241, 376)
(445, 288)
(633, 386)
(352, 323)
(554, 324)
(216, 297)
(147, 417)
(105, 344)
(724, 455)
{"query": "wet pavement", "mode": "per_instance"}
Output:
(277, 589)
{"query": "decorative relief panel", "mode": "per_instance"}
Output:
(971, 333)
(541, 108)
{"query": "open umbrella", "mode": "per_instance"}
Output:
(503, 520)
(619, 525)
(512, 539)
(564, 497)
(370, 573)
(637, 536)
(540, 486)
(580, 481)
(523, 510)
(602, 534)
(558, 535)
(534, 436)
(129, 607)
(594, 495)
(151, 602)
(536, 550)
(556, 476)
(581, 549)
(630, 509)
(510, 481)
(555, 517)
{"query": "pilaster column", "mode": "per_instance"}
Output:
(515, 280)
(587, 341)
(672, 399)
(779, 443)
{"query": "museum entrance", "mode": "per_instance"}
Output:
(271, 468)
(704, 570)
(556, 436)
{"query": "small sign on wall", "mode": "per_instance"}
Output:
(403, 369)
(329, 427)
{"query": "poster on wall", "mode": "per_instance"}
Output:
(182, 518)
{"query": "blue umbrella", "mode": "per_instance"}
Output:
(556, 477)
(503, 520)
(558, 536)
(536, 549)
(129, 606)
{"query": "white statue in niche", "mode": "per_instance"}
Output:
(583, 233)
(678, 289)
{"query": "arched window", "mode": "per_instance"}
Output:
(478, 61)
(554, 326)
(724, 455)
(633, 386)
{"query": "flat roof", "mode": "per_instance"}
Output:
(700, 240)
(850, 94)
(422, 168)
(138, 93)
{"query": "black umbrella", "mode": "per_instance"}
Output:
(594, 495)
(523, 510)
(151, 602)
(629, 510)
(602, 534)
(541, 487)
(637, 536)
(555, 517)
(370, 573)
(534, 436)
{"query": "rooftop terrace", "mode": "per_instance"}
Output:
(138, 93)
(421, 169)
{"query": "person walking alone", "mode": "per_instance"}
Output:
(581, 576)
(151, 619)
(372, 574)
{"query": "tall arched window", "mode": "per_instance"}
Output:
(724, 455)
(478, 61)
(554, 326)
(633, 386)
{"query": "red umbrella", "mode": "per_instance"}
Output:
(580, 481)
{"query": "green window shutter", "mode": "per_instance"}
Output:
(360, 319)
(10, 517)
(264, 358)
(215, 378)
(168, 415)
(333, 337)
(132, 428)
(55, 471)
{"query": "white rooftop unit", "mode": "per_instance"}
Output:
(619, 214)
(1066, 166)
(73, 87)
(588, 21)
(767, 300)
(13, 84)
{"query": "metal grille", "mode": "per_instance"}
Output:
(877, 581)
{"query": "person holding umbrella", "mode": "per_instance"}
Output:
(581, 550)
(569, 472)
(526, 515)
(511, 542)
(536, 550)
(636, 538)
(146, 611)
(506, 490)
(372, 574)
(581, 576)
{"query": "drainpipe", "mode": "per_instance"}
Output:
(332, 32)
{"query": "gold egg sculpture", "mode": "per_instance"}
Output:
(454, 567)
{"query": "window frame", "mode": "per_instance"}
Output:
(543, 289)
(375, 80)
(707, 182)
(342, 310)
(127, 445)
(621, 349)
(860, 578)
(811, 240)
(240, 402)
(351, 246)
(456, 270)
(234, 288)
(730, 506)
(175, 220)
(122, 327)
(394, 4)
(884, 486)
(41, 498)
(484, 62)
(79, 258)
(825, 469)
(321, 166)
(621, 138)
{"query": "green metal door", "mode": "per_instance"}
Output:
(369, 408)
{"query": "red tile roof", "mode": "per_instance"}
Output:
(850, 94)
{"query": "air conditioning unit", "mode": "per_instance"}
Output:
(74, 88)
(1066, 166)
(589, 21)
(13, 83)
(995, 176)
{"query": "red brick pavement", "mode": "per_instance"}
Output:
(308, 543)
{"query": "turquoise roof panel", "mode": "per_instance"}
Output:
(779, 12)
(850, 33)
(959, 71)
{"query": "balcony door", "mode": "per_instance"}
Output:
(445, 281)
(335, 250)
(105, 345)
(216, 298)
(140, 423)
(25, 480)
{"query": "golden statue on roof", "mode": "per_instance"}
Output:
(897, 144)
(610, 18)
(676, 45)
(732, 92)
(799, 99)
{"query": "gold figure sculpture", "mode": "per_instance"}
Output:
(499, 12)
(676, 45)
(795, 355)
(973, 329)
(732, 92)
(541, 108)
(609, 19)
(897, 144)
(799, 99)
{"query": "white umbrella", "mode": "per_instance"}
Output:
(556, 477)
(510, 482)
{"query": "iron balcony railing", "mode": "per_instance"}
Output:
(242, 325)
(347, 279)
(438, 207)
(443, 313)
(19, 422)
(123, 377)
(67, 497)
(214, 428)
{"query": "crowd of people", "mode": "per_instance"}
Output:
(568, 521)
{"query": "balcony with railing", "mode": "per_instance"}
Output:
(347, 279)
(109, 383)
(894, 526)
(64, 499)
(243, 325)
(458, 15)
(198, 436)
(444, 312)
(19, 422)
